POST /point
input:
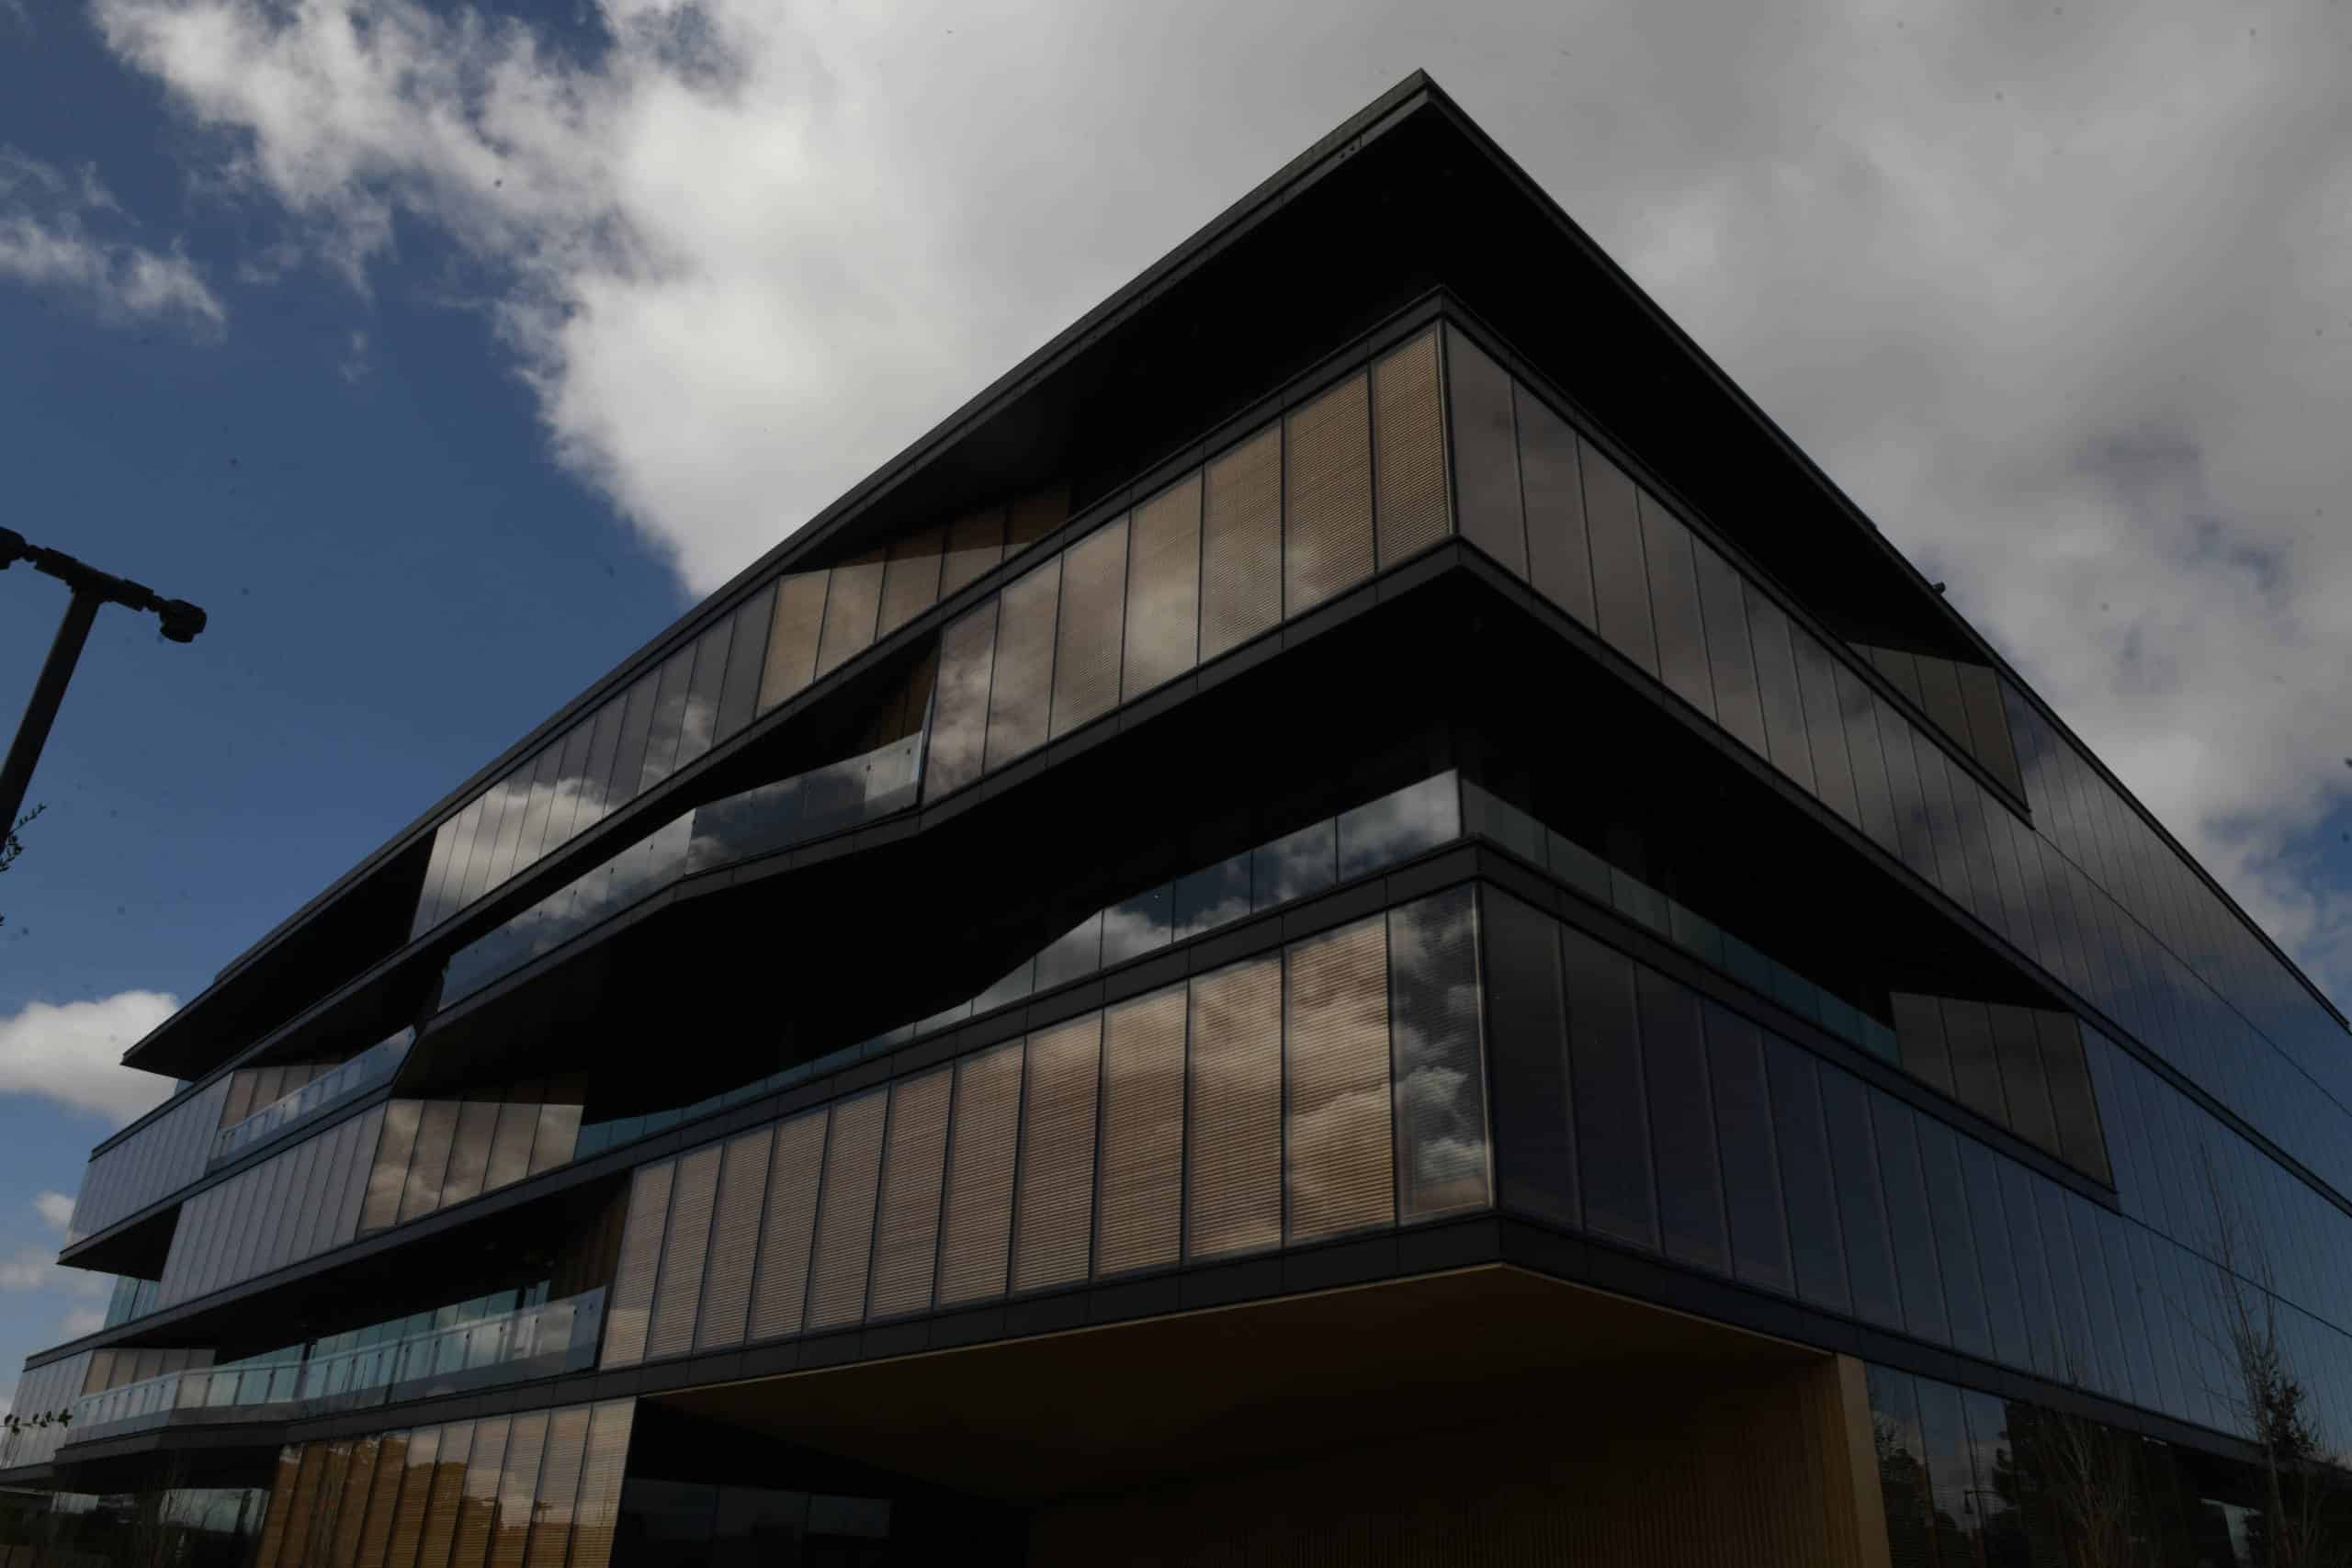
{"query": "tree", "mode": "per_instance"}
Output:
(11, 846)
(2261, 1389)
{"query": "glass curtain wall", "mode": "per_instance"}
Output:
(1969, 1478)
(1349, 482)
(1631, 1109)
(289, 1207)
(770, 644)
(1331, 1088)
(534, 1490)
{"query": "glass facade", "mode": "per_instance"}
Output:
(266, 1101)
(1969, 1478)
(1628, 1107)
(1285, 520)
(2088, 1194)
(772, 643)
(522, 1490)
(268, 1216)
(2084, 890)
(1333, 1088)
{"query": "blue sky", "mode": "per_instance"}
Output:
(444, 355)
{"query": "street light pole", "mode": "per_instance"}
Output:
(181, 622)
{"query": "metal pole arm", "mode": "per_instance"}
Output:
(16, 773)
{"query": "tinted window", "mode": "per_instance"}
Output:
(1955, 1238)
(1527, 1032)
(1731, 665)
(1674, 599)
(1917, 844)
(1212, 897)
(1612, 1122)
(1917, 1268)
(1874, 796)
(1620, 583)
(1759, 1229)
(1486, 472)
(669, 719)
(1559, 558)
(1805, 1179)
(1824, 722)
(1870, 1261)
(1776, 680)
(1989, 1232)
(1968, 1029)
(1438, 1079)
(1690, 1187)
(2043, 1345)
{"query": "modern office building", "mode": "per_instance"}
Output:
(1354, 918)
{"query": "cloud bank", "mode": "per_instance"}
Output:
(2061, 295)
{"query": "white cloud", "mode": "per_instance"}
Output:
(55, 1209)
(81, 1320)
(2058, 294)
(35, 1268)
(72, 1054)
(47, 241)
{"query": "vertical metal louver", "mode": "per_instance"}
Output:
(600, 1484)
(383, 1501)
(271, 1547)
(632, 1296)
(1408, 451)
(780, 1282)
(852, 604)
(977, 1221)
(734, 1240)
(1241, 544)
(906, 1228)
(433, 1549)
(1139, 1210)
(1053, 1207)
(1234, 1111)
(1021, 693)
(1163, 589)
(477, 1503)
(417, 1486)
(845, 1214)
(678, 1288)
(1339, 1169)
(909, 579)
(332, 1476)
(791, 661)
(567, 1446)
(1089, 627)
(1326, 535)
(359, 1486)
(517, 1487)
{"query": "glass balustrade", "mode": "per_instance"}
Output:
(444, 1351)
(1364, 839)
(363, 1072)
(756, 822)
